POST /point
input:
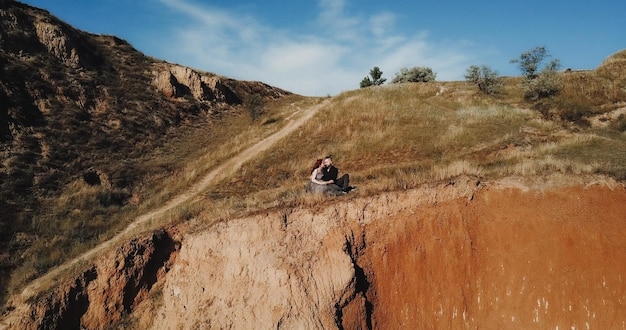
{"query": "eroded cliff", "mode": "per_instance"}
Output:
(516, 253)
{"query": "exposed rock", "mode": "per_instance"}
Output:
(178, 81)
(450, 256)
(104, 292)
(511, 259)
(57, 43)
(72, 102)
(446, 256)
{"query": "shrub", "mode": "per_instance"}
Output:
(485, 78)
(547, 83)
(376, 79)
(541, 80)
(255, 106)
(414, 74)
(530, 61)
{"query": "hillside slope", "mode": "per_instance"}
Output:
(472, 211)
(459, 245)
(81, 109)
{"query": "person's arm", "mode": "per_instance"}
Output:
(314, 180)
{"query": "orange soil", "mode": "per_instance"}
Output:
(507, 259)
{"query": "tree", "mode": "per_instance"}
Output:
(376, 79)
(487, 79)
(530, 61)
(541, 79)
(414, 74)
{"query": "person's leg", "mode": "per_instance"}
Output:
(343, 182)
(334, 190)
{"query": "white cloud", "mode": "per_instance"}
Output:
(290, 56)
(331, 10)
(381, 23)
(332, 58)
(216, 21)
(335, 22)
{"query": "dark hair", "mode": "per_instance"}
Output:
(316, 165)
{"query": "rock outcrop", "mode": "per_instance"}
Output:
(176, 81)
(447, 256)
(72, 105)
(104, 292)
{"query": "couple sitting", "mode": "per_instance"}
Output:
(324, 179)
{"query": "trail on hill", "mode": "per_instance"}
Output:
(226, 169)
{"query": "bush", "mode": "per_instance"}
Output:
(376, 80)
(547, 83)
(255, 106)
(541, 80)
(487, 79)
(414, 74)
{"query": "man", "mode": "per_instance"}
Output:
(330, 173)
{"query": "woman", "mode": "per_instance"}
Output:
(316, 185)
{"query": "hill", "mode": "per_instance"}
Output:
(471, 210)
(86, 123)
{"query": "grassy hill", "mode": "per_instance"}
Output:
(89, 130)
(89, 146)
(398, 136)
(388, 138)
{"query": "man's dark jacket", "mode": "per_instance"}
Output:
(330, 173)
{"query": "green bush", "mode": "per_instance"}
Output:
(547, 83)
(541, 79)
(414, 74)
(376, 79)
(485, 78)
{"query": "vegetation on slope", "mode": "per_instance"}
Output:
(102, 146)
(400, 136)
(87, 139)
(393, 137)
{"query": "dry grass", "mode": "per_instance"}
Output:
(388, 138)
(402, 136)
(76, 221)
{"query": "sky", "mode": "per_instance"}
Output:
(325, 47)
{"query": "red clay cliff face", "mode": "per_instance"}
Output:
(506, 255)
(509, 259)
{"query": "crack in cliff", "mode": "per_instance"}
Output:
(361, 283)
(164, 246)
(67, 314)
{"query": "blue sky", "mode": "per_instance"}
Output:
(324, 47)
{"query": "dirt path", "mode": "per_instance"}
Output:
(226, 169)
